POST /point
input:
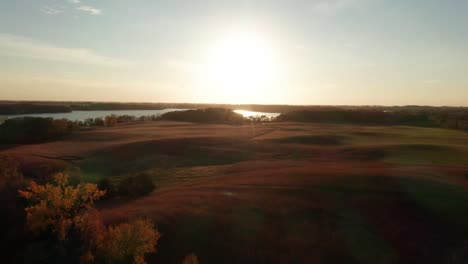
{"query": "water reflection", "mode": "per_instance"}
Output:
(246, 113)
(83, 115)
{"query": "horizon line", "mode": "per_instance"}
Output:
(246, 104)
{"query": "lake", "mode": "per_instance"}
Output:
(246, 113)
(83, 115)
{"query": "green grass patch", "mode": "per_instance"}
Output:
(422, 154)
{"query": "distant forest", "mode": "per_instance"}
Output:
(446, 117)
(18, 108)
(35, 107)
(449, 117)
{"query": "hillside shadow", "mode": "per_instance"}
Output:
(322, 140)
(167, 153)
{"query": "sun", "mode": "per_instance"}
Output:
(240, 66)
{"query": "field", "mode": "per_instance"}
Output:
(281, 192)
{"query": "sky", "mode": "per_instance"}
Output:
(319, 52)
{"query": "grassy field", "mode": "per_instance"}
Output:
(282, 192)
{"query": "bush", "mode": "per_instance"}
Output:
(107, 185)
(135, 186)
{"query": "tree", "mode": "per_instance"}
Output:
(57, 207)
(66, 214)
(129, 242)
(190, 259)
(110, 120)
(92, 234)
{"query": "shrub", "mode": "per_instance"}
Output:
(107, 185)
(138, 185)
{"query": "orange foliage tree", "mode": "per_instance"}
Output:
(59, 208)
(56, 207)
(110, 120)
(129, 242)
(190, 259)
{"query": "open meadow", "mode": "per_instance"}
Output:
(234, 132)
(279, 192)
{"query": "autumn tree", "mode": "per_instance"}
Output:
(92, 235)
(129, 242)
(190, 259)
(110, 120)
(57, 207)
(66, 212)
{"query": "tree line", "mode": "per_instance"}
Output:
(454, 118)
(35, 130)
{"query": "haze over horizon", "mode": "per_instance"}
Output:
(320, 52)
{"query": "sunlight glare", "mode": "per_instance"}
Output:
(240, 66)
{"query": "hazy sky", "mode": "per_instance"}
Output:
(390, 52)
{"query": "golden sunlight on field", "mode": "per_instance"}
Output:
(255, 131)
